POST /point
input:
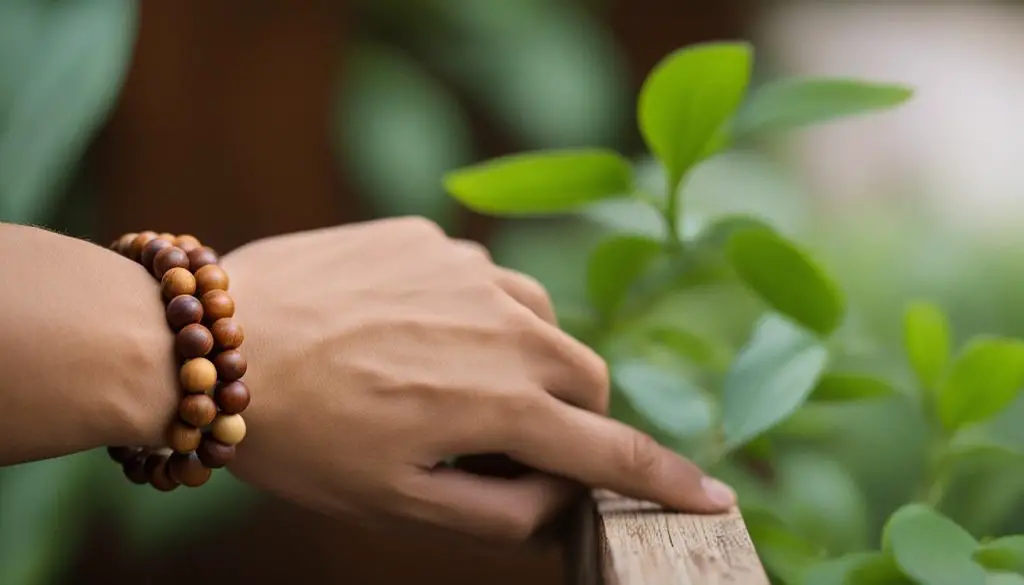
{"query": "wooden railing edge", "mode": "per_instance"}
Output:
(618, 541)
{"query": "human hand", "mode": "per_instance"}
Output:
(378, 350)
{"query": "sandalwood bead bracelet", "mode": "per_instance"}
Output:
(200, 312)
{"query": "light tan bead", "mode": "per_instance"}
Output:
(183, 438)
(198, 375)
(228, 429)
(176, 282)
(167, 237)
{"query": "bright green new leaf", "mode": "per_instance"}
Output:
(984, 379)
(1002, 554)
(614, 266)
(770, 378)
(796, 102)
(669, 401)
(835, 387)
(541, 182)
(930, 548)
(926, 337)
(787, 279)
(783, 552)
(688, 97)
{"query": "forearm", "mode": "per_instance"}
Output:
(86, 358)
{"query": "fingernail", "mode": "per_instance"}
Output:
(719, 493)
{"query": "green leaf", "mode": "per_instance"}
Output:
(717, 234)
(541, 182)
(797, 102)
(709, 353)
(782, 551)
(858, 568)
(669, 401)
(1004, 579)
(930, 548)
(770, 378)
(687, 98)
(926, 337)
(787, 279)
(58, 92)
(614, 266)
(984, 379)
(1002, 554)
(836, 387)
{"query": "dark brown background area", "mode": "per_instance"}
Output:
(222, 130)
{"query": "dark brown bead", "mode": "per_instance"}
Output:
(227, 333)
(193, 341)
(218, 304)
(124, 244)
(230, 365)
(187, 242)
(172, 257)
(176, 282)
(197, 410)
(135, 469)
(149, 252)
(214, 454)
(210, 277)
(183, 438)
(184, 310)
(122, 454)
(233, 397)
(188, 470)
(203, 256)
(156, 469)
(140, 241)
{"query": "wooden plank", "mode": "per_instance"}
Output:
(619, 541)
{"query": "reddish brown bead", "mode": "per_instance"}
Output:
(183, 438)
(140, 241)
(135, 469)
(124, 244)
(193, 341)
(230, 365)
(187, 242)
(198, 376)
(156, 469)
(218, 304)
(214, 454)
(227, 333)
(122, 454)
(211, 277)
(233, 397)
(184, 310)
(187, 470)
(176, 282)
(202, 256)
(197, 410)
(150, 251)
(168, 258)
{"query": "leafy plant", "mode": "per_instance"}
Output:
(739, 409)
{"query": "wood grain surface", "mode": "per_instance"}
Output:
(624, 542)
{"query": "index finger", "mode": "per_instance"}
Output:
(604, 453)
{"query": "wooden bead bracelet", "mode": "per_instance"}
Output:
(200, 312)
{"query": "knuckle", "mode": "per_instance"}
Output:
(420, 226)
(516, 527)
(641, 456)
(473, 250)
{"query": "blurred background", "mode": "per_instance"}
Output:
(241, 119)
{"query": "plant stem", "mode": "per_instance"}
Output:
(673, 209)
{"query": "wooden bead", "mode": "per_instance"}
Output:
(233, 397)
(187, 242)
(183, 438)
(168, 258)
(193, 341)
(124, 244)
(211, 277)
(140, 241)
(202, 256)
(184, 310)
(187, 470)
(198, 376)
(230, 365)
(197, 410)
(122, 454)
(167, 237)
(215, 454)
(135, 469)
(218, 304)
(176, 282)
(227, 333)
(156, 469)
(228, 429)
(150, 251)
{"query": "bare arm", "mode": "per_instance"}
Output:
(85, 353)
